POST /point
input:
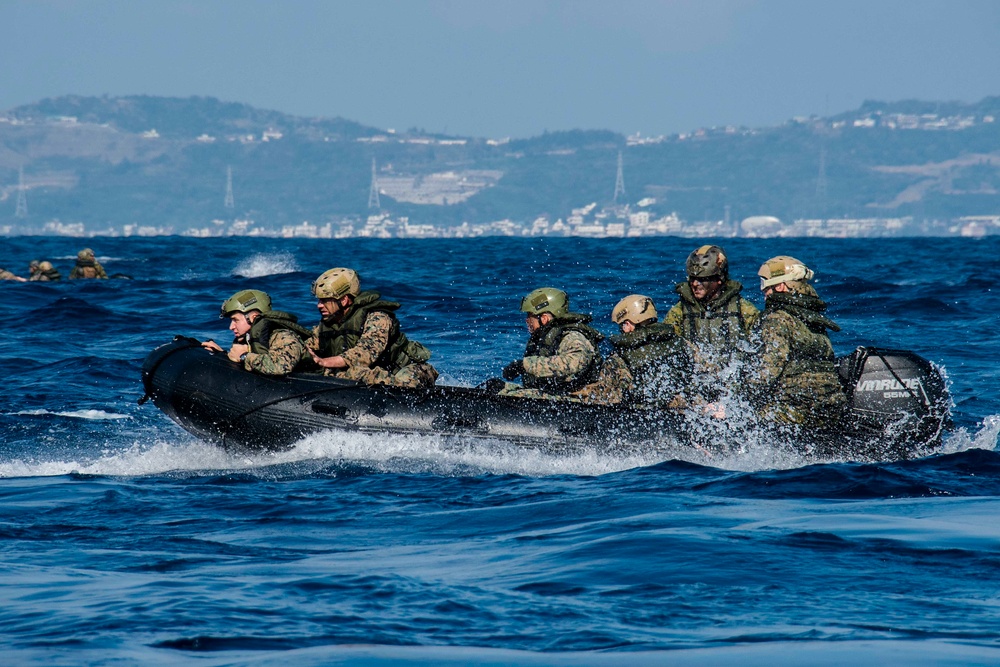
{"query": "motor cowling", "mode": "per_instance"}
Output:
(895, 388)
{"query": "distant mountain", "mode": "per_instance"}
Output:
(176, 118)
(109, 161)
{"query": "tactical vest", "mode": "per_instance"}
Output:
(50, 275)
(85, 268)
(814, 352)
(544, 342)
(650, 347)
(259, 336)
(719, 324)
(337, 338)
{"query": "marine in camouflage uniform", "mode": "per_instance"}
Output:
(267, 341)
(561, 356)
(87, 266)
(710, 311)
(650, 363)
(7, 275)
(360, 333)
(45, 272)
(796, 380)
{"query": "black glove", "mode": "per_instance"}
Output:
(493, 386)
(513, 370)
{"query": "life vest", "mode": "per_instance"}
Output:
(50, 275)
(720, 323)
(544, 342)
(259, 336)
(650, 349)
(337, 338)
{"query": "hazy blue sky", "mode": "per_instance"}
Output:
(509, 67)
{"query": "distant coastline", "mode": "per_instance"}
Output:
(614, 224)
(150, 166)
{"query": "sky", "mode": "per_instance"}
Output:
(509, 68)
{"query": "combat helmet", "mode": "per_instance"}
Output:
(244, 301)
(86, 253)
(33, 264)
(336, 283)
(45, 265)
(635, 308)
(784, 269)
(546, 300)
(706, 262)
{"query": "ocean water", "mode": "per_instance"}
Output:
(125, 540)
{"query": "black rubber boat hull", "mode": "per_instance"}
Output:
(217, 401)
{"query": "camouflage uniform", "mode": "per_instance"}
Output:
(614, 382)
(650, 365)
(796, 380)
(284, 352)
(7, 275)
(363, 358)
(562, 370)
(716, 327)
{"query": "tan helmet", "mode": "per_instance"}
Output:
(33, 265)
(546, 300)
(45, 266)
(336, 283)
(783, 269)
(86, 253)
(245, 301)
(634, 308)
(706, 262)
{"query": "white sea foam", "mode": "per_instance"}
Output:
(138, 460)
(266, 264)
(436, 454)
(451, 455)
(98, 415)
(394, 453)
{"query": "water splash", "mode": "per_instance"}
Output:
(986, 437)
(266, 264)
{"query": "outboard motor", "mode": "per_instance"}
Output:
(895, 388)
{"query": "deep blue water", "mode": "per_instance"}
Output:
(125, 540)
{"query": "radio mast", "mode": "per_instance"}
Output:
(22, 201)
(619, 180)
(230, 202)
(373, 201)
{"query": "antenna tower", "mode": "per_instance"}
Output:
(619, 180)
(373, 201)
(230, 202)
(22, 201)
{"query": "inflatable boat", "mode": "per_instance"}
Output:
(898, 410)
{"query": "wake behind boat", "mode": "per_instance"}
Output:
(899, 410)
